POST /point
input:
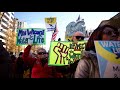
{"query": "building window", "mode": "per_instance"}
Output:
(20, 24)
(3, 43)
(4, 21)
(12, 18)
(7, 13)
(6, 17)
(4, 26)
(2, 31)
(12, 13)
(1, 37)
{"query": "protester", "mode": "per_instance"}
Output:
(40, 68)
(19, 66)
(13, 58)
(5, 63)
(13, 66)
(88, 65)
(78, 36)
(69, 70)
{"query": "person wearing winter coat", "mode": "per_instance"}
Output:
(39, 64)
(88, 65)
(5, 63)
(19, 66)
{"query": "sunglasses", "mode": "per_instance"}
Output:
(79, 37)
(41, 53)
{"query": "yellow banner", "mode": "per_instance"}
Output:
(65, 53)
(51, 20)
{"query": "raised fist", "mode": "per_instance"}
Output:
(62, 51)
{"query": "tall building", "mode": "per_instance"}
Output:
(22, 24)
(6, 22)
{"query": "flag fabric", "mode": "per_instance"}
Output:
(78, 18)
(54, 34)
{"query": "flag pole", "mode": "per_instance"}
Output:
(54, 32)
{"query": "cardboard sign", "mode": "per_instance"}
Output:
(35, 36)
(64, 53)
(108, 54)
(50, 23)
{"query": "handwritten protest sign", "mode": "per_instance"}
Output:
(50, 23)
(108, 54)
(65, 53)
(31, 35)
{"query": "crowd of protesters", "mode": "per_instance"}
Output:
(29, 65)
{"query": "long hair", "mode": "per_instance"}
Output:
(96, 35)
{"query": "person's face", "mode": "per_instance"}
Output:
(41, 54)
(78, 38)
(110, 34)
(46, 55)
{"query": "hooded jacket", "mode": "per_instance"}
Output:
(87, 66)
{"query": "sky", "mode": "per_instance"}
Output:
(37, 20)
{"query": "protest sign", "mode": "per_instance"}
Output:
(50, 23)
(65, 53)
(35, 36)
(108, 54)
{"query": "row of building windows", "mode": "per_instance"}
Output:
(4, 26)
(6, 17)
(2, 31)
(19, 24)
(12, 18)
(2, 42)
(12, 13)
(4, 21)
(2, 37)
(7, 13)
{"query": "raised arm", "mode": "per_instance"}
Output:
(26, 56)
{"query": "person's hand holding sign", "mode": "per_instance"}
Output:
(30, 43)
(62, 51)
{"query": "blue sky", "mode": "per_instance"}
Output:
(36, 20)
